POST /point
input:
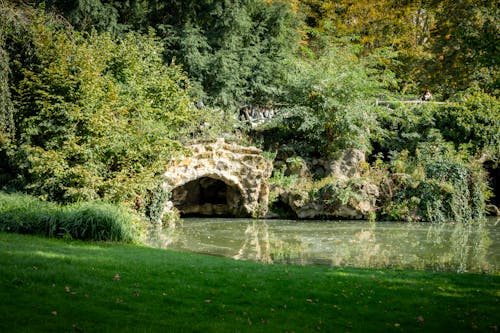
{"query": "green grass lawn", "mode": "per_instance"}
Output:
(50, 285)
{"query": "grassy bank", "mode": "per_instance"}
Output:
(25, 214)
(54, 285)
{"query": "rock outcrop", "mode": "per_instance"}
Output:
(347, 165)
(346, 196)
(219, 178)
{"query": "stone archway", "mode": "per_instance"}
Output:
(218, 179)
(209, 197)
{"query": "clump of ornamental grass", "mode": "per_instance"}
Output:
(85, 221)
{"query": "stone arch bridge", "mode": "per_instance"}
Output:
(218, 179)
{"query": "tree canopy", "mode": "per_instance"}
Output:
(95, 95)
(92, 116)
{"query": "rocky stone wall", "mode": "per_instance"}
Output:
(347, 196)
(219, 178)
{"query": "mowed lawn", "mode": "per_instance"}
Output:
(53, 285)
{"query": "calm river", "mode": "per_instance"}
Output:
(474, 248)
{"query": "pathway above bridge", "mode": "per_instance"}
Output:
(219, 179)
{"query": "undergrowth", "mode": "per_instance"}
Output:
(86, 221)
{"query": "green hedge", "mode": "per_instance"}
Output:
(85, 221)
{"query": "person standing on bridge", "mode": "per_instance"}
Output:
(426, 97)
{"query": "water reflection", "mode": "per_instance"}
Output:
(459, 247)
(257, 245)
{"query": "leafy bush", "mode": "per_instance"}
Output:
(435, 153)
(329, 103)
(437, 184)
(471, 123)
(339, 193)
(280, 179)
(95, 117)
(86, 221)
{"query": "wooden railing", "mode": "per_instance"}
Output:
(416, 101)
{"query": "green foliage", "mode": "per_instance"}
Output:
(435, 153)
(155, 207)
(446, 46)
(6, 106)
(95, 117)
(436, 185)
(471, 123)
(330, 99)
(86, 221)
(465, 47)
(232, 50)
(87, 14)
(401, 27)
(340, 193)
(403, 128)
(280, 179)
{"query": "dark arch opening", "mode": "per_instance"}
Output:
(283, 210)
(208, 196)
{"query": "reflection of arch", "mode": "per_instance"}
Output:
(257, 245)
(208, 195)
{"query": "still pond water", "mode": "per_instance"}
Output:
(455, 247)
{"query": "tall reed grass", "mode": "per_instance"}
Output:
(85, 221)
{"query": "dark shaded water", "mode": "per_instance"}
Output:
(454, 247)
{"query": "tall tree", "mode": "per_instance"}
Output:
(95, 117)
(466, 47)
(232, 49)
(400, 26)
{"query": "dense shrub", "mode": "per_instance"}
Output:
(231, 50)
(329, 102)
(86, 221)
(471, 123)
(437, 185)
(434, 152)
(95, 117)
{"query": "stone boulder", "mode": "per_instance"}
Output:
(347, 196)
(328, 205)
(347, 164)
